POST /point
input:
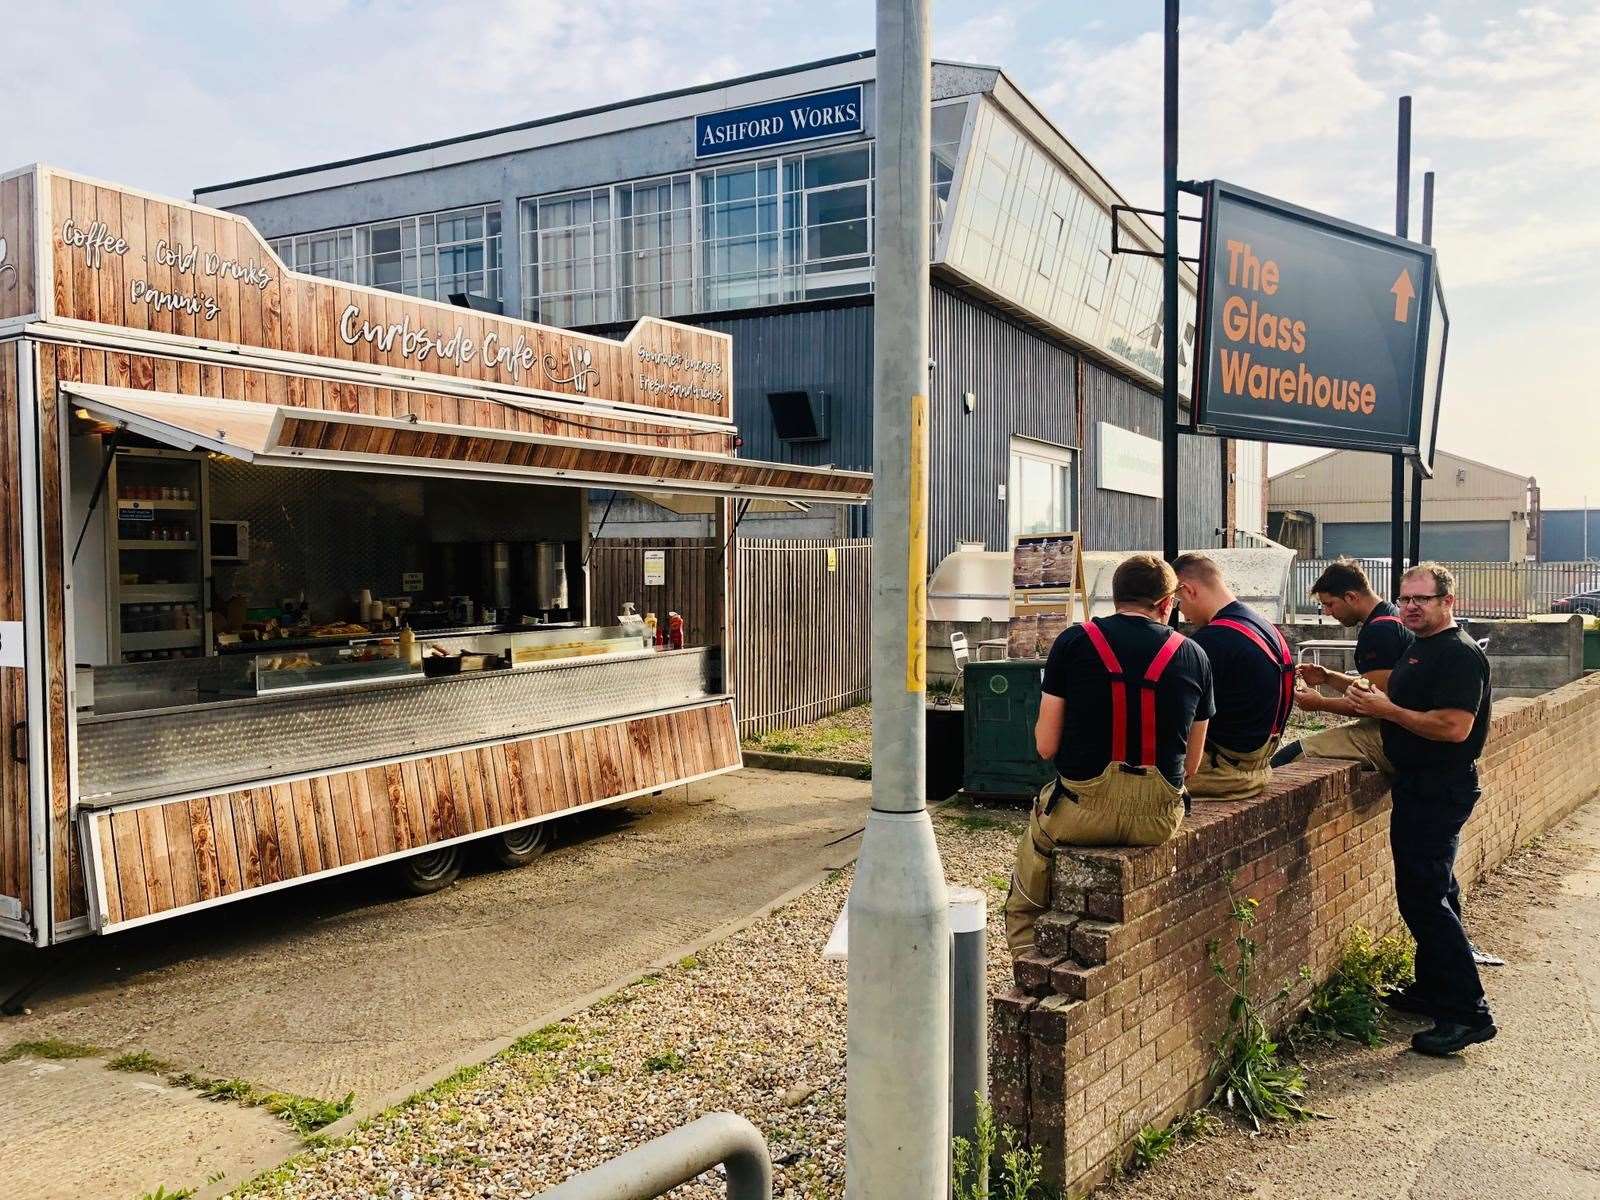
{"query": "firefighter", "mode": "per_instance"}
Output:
(1253, 670)
(1123, 717)
(1347, 597)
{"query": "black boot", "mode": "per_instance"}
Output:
(1447, 1038)
(1286, 754)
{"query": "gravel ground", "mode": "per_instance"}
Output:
(754, 1025)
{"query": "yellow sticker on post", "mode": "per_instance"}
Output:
(917, 566)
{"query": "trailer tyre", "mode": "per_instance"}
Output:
(519, 847)
(433, 871)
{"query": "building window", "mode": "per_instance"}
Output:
(949, 123)
(655, 247)
(432, 256)
(1250, 487)
(743, 236)
(838, 221)
(566, 258)
(1041, 492)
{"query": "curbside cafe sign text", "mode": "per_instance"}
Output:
(142, 263)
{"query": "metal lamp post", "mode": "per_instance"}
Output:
(898, 1069)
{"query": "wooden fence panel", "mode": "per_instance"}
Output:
(616, 575)
(802, 648)
(802, 636)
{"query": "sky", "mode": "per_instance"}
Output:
(1295, 98)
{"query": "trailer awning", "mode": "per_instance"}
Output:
(281, 435)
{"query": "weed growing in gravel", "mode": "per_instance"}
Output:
(596, 1067)
(1153, 1143)
(161, 1193)
(1349, 1005)
(688, 962)
(975, 822)
(671, 1060)
(141, 1061)
(47, 1048)
(973, 1177)
(1252, 1077)
(998, 882)
(545, 1041)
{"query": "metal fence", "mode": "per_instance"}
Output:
(1483, 589)
(801, 643)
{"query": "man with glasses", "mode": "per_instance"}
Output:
(1346, 596)
(1435, 717)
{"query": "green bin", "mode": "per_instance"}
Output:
(1002, 704)
(1591, 646)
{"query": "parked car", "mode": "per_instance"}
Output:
(1579, 602)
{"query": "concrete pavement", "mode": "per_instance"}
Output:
(344, 986)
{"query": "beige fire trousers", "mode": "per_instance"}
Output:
(1361, 740)
(1224, 775)
(1122, 806)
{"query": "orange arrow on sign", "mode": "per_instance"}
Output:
(1403, 292)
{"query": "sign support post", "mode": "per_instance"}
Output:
(1402, 223)
(1416, 467)
(1169, 292)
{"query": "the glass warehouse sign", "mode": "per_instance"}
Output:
(779, 122)
(1316, 331)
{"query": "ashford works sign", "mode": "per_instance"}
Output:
(1316, 331)
(779, 122)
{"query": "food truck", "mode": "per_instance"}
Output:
(293, 573)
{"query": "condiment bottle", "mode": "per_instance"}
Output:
(409, 650)
(649, 629)
(675, 630)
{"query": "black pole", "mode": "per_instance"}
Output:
(1169, 292)
(1416, 467)
(1397, 479)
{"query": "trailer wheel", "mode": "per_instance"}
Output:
(433, 871)
(519, 847)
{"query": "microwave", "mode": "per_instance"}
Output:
(230, 541)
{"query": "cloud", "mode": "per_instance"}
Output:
(985, 39)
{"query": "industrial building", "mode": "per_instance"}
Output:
(748, 206)
(1339, 504)
(1569, 535)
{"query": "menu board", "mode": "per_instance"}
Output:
(1047, 582)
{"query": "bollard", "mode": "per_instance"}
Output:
(969, 1008)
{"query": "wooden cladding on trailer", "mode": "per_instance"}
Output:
(646, 469)
(164, 857)
(147, 264)
(15, 859)
(19, 270)
(149, 373)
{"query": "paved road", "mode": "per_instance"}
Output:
(1516, 1119)
(345, 986)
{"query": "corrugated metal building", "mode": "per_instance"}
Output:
(1471, 511)
(749, 206)
(1563, 537)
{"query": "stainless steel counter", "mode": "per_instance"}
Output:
(125, 757)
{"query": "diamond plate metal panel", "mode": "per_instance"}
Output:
(122, 759)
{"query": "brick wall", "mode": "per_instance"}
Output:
(1114, 1027)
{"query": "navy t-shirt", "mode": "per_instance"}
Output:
(1445, 670)
(1075, 673)
(1249, 685)
(1380, 644)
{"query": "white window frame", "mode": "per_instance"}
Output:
(1054, 455)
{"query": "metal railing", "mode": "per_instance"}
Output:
(1504, 590)
(675, 1158)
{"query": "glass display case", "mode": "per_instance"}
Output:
(323, 666)
(156, 546)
